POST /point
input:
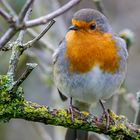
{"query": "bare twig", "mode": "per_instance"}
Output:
(47, 18)
(24, 10)
(8, 7)
(99, 5)
(61, 23)
(5, 15)
(11, 31)
(18, 47)
(48, 45)
(30, 43)
(7, 36)
(39, 21)
(22, 32)
(30, 67)
(137, 116)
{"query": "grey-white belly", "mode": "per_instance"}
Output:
(88, 87)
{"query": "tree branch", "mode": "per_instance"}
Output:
(30, 43)
(30, 67)
(39, 21)
(34, 34)
(18, 107)
(11, 31)
(8, 7)
(6, 15)
(17, 49)
(26, 17)
(44, 19)
(24, 10)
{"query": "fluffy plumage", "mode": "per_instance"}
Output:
(90, 64)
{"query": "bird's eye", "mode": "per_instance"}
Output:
(93, 26)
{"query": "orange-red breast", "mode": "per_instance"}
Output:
(90, 63)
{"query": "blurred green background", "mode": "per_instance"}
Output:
(39, 86)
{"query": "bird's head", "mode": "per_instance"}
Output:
(91, 21)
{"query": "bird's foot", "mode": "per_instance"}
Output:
(109, 119)
(73, 110)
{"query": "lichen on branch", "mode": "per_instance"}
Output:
(14, 105)
(11, 105)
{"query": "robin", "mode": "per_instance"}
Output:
(89, 64)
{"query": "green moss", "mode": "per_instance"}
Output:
(13, 105)
(10, 103)
(32, 110)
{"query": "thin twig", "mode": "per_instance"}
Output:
(6, 15)
(8, 7)
(7, 36)
(48, 45)
(137, 116)
(30, 43)
(61, 23)
(39, 21)
(99, 5)
(30, 67)
(22, 32)
(44, 19)
(11, 31)
(25, 9)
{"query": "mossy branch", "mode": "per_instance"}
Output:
(14, 105)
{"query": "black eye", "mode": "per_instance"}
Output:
(93, 26)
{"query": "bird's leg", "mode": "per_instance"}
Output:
(105, 112)
(73, 109)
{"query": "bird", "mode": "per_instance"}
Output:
(90, 63)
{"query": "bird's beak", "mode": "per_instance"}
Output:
(73, 27)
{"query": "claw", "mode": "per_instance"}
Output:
(73, 109)
(106, 113)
